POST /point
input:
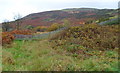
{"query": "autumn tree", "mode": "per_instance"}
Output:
(53, 27)
(18, 21)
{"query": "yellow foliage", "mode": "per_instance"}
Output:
(53, 27)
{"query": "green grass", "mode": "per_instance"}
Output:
(40, 56)
(0, 50)
(0, 58)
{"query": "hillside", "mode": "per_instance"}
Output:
(76, 16)
(87, 48)
(91, 47)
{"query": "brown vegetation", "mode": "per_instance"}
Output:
(90, 36)
(25, 32)
(7, 38)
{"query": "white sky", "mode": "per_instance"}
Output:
(8, 8)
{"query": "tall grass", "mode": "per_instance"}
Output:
(40, 56)
(72, 49)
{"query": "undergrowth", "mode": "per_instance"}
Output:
(85, 48)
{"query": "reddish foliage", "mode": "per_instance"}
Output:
(7, 38)
(24, 32)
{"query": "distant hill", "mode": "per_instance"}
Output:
(76, 16)
(110, 22)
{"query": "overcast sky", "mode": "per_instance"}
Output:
(8, 8)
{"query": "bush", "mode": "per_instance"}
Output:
(24, 32)
(7, 38)
(54, 26)
(91, 36)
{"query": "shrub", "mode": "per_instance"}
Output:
(24, 32)
(7, 38)
(54, 26)
(60, 35)
(91, 36)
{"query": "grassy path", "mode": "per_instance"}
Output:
(39, 56)
(36, 56)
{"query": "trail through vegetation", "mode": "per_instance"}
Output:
(80, 48)
(40, 56)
